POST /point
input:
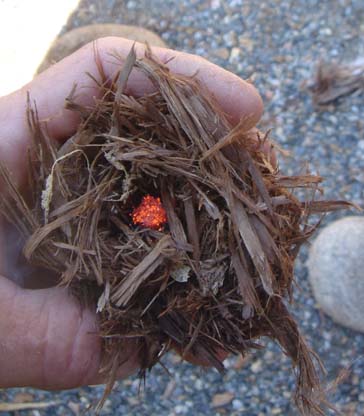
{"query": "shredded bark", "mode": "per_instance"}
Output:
(217, 277)
(335, 80)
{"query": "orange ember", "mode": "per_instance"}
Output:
(150, 213)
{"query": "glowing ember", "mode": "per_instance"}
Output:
(150, 213)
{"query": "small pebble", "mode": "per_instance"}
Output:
(237, 404)
(257, 366)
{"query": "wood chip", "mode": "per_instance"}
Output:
(13, 407)
(23, 397)
(222, 399)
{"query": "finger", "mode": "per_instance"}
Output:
(267, 147)
(236, 97)
(47, 340)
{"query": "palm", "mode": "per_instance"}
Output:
(47, 321)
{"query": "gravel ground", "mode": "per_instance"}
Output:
(277, 44)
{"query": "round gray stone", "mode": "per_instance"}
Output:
(336, 271)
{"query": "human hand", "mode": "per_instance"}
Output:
(47, 341)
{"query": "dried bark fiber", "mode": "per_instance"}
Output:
(336, 80)
(217, 276)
